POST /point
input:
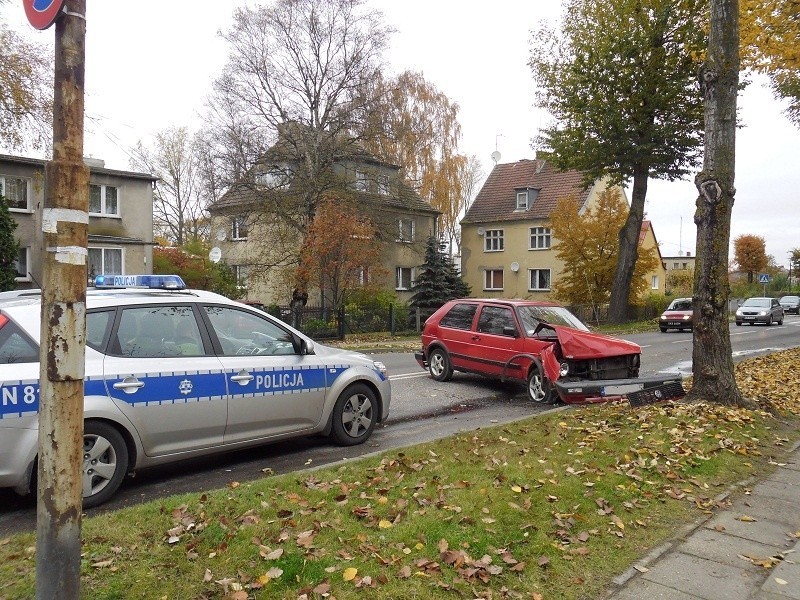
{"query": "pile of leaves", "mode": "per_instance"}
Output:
(551, 507)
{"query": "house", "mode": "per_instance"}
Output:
(262, 248)
(120, 217)
(508, 246)
(647, 242)
(683, 262)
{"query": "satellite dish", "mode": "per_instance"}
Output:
(481, 231)
(496, 156)
(215, 254)
(515, 266)
(221, 234)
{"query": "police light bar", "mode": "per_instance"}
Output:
(157, 282)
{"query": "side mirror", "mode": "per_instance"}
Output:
(510, 331)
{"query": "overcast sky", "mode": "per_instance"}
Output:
(150, 63)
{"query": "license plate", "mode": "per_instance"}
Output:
(618, 390)
(749, 318)
(674, 323)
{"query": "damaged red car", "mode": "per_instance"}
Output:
(539, 344)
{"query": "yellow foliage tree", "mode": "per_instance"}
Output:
(588, 245)
(769, 30)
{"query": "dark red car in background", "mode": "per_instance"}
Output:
(539, 344)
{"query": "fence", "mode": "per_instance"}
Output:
(326, 323)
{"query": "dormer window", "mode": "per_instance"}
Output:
(361, 183)
(273, 179)
(522, 200)
(383, 185)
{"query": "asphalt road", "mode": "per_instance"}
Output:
(422, 410)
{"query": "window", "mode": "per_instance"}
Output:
(17, 192)
(21, 265)
(494, 319)
(522, 200)
(273, 179)
(363, 276)
(654, 282)
(103, 200)
(493, 279)
(404, 278)
(493, 241)
(239, 228)
(243, 333)
(242, 273)
(675, 265)
(105, 261)
(15, 346)
(685, 265)
(383, 185)
(361, 184)
(538, 279)
(405, 230)
(158, 331)
(460, 316)
(540, 238)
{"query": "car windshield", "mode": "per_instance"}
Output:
(790, 299)
(680, 304)
(531, 316)
(757, 302)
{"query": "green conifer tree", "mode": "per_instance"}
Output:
(9, 248)
(438, 280)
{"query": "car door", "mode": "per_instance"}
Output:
(495, 340)
(174, 394)
(455, 331)
(273, 389)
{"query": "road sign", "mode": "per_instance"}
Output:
(763, 278)
(42, 13)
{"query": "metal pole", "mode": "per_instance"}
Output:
(65, 220)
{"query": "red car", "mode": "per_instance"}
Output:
(539, 344)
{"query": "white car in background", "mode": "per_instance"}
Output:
(176, 373)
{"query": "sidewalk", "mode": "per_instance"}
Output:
(723, 557)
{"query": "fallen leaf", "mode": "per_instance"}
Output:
(746, 519)
(349, 574)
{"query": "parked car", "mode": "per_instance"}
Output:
(760, 310)
(678, 315)
(539, 344)
(177, 373)
(790, 304)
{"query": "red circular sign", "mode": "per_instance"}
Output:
(42, 13)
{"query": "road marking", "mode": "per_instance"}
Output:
(408, 376)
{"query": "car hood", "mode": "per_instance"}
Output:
(577, 344)
(673, 314)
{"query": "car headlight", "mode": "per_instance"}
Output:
(763, 313)
(563, 370)
(738, 312)
(687, 317)
(380, 367)
(663, 317)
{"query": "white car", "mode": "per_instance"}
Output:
(176, 373)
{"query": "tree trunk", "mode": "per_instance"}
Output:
(712, 363)
(618, 308)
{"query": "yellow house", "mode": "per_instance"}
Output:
(507, 244)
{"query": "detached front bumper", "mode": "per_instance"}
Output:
(591, 391)
(421, 360)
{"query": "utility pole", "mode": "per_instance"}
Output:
(65, 219)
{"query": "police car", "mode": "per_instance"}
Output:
(173, 373)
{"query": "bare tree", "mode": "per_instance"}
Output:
(26, 92)
(178, 209)
(298, 71)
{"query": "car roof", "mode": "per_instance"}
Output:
(510, 301)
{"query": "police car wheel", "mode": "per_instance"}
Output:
(354, 415)
(105, 462)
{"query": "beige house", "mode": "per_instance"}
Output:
(120, 217)
(262, 250)
(657, 278)
(507, 244)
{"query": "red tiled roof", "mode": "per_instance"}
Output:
(497, 199)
